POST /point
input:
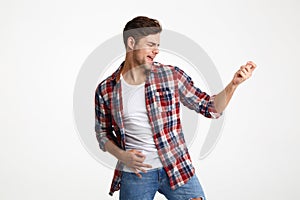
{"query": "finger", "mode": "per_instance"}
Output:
(138, 174)
(139, 154)
(238, 74)
(133, 151)
(139, 159)
(146, 165)
(140, 164)
(252, 64)
(248, 68)
(244, 71)
(135, 157)
(142, 170)
(242, 74)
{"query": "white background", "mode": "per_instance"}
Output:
(44, 43)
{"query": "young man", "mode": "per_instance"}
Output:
(137, 118)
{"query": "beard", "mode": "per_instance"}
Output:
(142, 62)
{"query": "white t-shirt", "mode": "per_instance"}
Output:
(138, 132)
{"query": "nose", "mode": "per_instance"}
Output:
(156, 50)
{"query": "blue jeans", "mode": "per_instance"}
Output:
(135, 188)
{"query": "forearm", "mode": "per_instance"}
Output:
(113, 149)
(222, 99)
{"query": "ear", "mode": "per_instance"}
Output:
(130, 43)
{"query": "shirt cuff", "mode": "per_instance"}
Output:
(102, 139)
(212, 109)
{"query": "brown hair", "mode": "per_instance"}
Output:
(140, 27)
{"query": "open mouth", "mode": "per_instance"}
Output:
(150, 58)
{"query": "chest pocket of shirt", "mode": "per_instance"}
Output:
(165, 100)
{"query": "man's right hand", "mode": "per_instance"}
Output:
(134, 159)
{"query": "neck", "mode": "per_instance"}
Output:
(134, 73)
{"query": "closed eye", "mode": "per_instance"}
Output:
(152, 44)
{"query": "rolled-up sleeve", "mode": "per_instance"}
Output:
(103, 127)
(193, 98)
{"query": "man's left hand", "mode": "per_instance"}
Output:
(243, 73)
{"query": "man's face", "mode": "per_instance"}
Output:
(146, 49)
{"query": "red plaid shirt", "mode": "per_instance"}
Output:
(165, 87)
